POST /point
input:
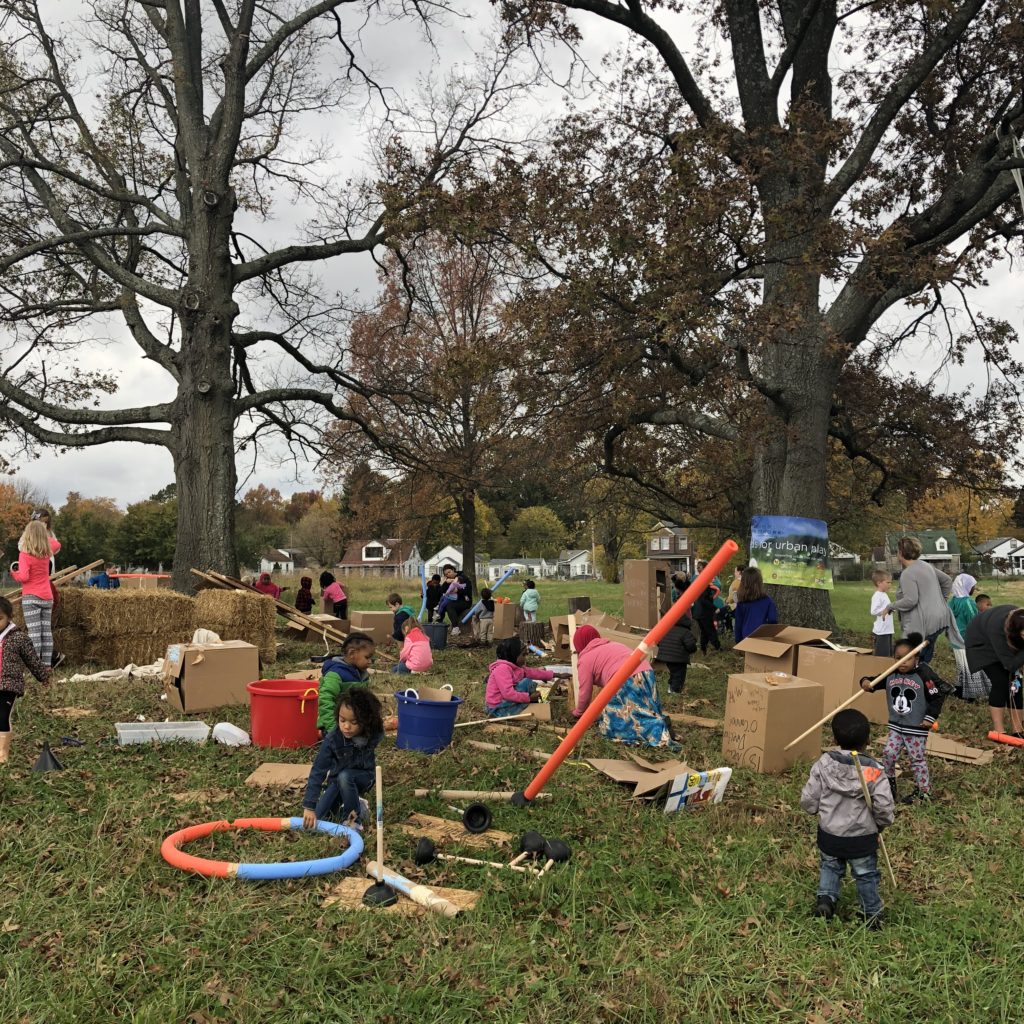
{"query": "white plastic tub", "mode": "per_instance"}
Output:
(230, 735)
(161, 732)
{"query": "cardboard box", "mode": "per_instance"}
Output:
(202, 676)
(646, 591)
(599, 620)
(631, 640)
(683, 787)
(505, 621)
(579, 604)
(377, 625)
(425, 692)
(304, 633)
(309, 675)
(774, 648)
(839, 670)
(762, 717)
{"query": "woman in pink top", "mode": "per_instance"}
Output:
(634, 714)
(330, 590)
(416, 655)
(32, 571)
(509, 684)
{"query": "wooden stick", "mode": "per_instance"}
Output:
(486, 863)
(537, 755)
(380, 826)
(704, 723)
(466, 794)
(493, 721)
(574, 661)
(860, 692)
(61, 576)
(871, 808)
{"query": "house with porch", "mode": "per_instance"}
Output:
(389, 557)
(1004, 554)
(279, 560)
(938, 547)
(575, 564)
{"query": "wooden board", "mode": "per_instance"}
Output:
(271, 774)
(704, 723)
(574, 661)
(73, 712)
(447, 832)
(348, 894)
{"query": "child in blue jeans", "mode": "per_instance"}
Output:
(847, 828)
(345, 764)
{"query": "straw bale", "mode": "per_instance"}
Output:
(70, 641)
(118, 650)
(240, 615)
(162, 614)
(68, 609)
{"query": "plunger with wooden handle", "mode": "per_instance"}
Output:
(871, 808)
(426, 853)
(380, 894)
(860, 692)
(420, 894)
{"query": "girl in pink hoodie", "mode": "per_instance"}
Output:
(634, 714)
(416, 655)
(509, 684)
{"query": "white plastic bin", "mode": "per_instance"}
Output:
(230, 735)
(161, 732)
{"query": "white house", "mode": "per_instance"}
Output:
(526, 568)
(573, 564)
(277, 560)
(1006, 555)
(389, 557)
(448, 555)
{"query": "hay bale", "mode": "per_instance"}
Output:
(160, 613)
(68, 609)
(118, 650)
(70, 641)
(240, 615)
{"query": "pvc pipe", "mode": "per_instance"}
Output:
(420, 894)
(423, 591)
(472, 611)
(1002, 737)
(466, 794)
(626, 670)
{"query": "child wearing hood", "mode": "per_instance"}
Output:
(266, 586)
(847, 828)
(970, 686)
(304, 598)
(342, 673)
(509, 684)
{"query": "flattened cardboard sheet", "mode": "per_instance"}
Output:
(348, 894)
(448, 832)
(274, 774)
(951, 750)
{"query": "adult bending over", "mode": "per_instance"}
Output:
(995, 646)
(921, 599)
(634, 714)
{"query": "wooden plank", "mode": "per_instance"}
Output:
(574, 661)
(348, 895)
(449, 831)
(704, 723)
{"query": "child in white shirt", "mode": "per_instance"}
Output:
(882, 630)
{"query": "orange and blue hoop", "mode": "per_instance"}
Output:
(171, 851)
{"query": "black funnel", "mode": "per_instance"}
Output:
(46, 762)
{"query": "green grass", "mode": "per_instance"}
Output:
(690, 917)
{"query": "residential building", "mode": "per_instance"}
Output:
(670, 543)
(938, 547)
(279, 560)
(575, 563)
(1005, 554)
(451, 555)
(389, 557)
(526, 568)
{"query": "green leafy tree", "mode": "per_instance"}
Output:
(537, 531)
(318, 533)
(88, 528)
(146, 534)
(259, 524)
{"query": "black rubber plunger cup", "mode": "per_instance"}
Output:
(46, 762)
(380, 894)
(519, 800)
(556, 852)
(476, 818)
(425, 852)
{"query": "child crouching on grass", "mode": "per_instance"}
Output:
(915, 696)
(510, 686)
(847, 828)
(416, 655)
(345, 763)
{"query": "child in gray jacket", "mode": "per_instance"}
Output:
(847, 828)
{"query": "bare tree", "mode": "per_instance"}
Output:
(839, 159)
(147, 208)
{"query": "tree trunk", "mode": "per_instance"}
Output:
(466, 508)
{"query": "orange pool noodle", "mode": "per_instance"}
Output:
(1001, 737)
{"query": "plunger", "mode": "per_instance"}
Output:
(380, 894)
(556, 852)
(46, 762)
(426, 853)
(531, 844)
(476, 818)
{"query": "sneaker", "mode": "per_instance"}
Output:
(825, 907)
(57, 660)
(874, 923)
(917, 796)
(456, 631)
(364, 810)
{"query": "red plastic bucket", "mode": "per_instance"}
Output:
(282, 712)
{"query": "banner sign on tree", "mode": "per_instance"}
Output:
(791, 552)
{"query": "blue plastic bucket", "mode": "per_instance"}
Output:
(426, 725)
(437, 634)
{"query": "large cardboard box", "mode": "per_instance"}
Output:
(305, 633)
(377, 625)
(761, 717)
(505, 621)
(774, 648)
(631, 640)
(599, 620)
(198, 677)
(646, 591)
(839, 670)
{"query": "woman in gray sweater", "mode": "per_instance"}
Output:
(921, 599)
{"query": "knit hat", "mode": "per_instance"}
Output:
(306, 582)
(583, 637)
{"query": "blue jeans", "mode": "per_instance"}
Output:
(343, 792)
(514, 707)
(928, 653)
(402, 669)
(865, 874)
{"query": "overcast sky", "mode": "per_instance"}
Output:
(132, 472)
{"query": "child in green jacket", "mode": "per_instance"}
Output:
(338, 674)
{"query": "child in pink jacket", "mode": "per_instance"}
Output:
(416, 655)
(509, 684)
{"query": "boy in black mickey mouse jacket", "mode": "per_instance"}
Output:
(915, 695)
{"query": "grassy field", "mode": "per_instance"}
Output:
(658, 918)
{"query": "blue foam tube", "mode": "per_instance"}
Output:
(472, 611)
(307, 868)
